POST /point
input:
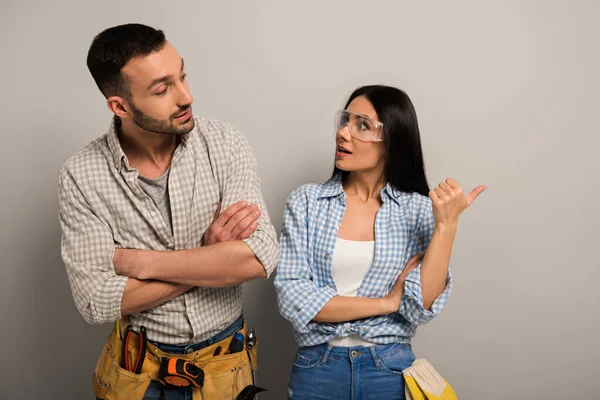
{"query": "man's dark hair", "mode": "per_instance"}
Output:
(112, 48)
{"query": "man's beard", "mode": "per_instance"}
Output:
(167, 127)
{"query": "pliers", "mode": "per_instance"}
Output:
(143, 339)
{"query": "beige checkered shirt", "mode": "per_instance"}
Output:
(102, 206)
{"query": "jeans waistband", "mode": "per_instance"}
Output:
(237, 325)
(343, 353)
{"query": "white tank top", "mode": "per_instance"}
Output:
(350, 263)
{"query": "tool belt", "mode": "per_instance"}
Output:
(225, 375)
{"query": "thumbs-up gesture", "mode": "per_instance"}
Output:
(449, 201)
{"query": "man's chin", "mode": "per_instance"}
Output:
(185, 127)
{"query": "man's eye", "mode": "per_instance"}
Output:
(161, 92)
(183, 77)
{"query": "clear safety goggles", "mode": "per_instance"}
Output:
(360, 126)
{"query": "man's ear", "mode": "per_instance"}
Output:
(118, 106)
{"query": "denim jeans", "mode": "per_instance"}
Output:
(156, 391)
(325, 372)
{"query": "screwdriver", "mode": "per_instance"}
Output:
(237, 344)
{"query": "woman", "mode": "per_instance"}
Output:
(364, 256)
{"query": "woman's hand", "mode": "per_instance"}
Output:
(449, 201)
(394, 297)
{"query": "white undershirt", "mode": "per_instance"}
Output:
(350, 263)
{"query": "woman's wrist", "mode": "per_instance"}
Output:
(445, 227)
(390, 304)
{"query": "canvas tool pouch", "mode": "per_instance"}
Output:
(224, 375)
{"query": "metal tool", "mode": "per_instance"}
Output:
(251, 339)
(143, 339)
(249, 392)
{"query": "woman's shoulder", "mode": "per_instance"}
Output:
(418, 199)
(415, 202)
(307, 191)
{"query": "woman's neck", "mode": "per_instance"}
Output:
(364, 185)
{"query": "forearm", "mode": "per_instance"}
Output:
(143, 295)
(342, 309)
(434, 268)
(220, 265)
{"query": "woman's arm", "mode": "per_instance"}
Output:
(343, 308)
(448, 201)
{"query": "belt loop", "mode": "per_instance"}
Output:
(326, 355)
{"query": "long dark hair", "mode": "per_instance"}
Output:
(404, 166)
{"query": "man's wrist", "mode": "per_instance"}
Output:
(141, 264)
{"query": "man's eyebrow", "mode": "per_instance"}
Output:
(164, 78)
(159, 80)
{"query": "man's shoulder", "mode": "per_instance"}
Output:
(210, 129)
(86, 161)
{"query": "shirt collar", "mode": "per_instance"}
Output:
(114, 145)
(333, 188)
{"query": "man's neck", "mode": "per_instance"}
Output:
(150, 153)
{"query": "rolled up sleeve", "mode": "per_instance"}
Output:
(411, 306)
(87, 249)
(242, 183)
(299, 298)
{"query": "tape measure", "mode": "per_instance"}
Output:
(179, 372)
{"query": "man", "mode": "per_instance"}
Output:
(142, 235)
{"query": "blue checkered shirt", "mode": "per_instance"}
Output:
(312, 217)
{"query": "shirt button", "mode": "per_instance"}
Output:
(327, 255)
(170, 245)
(336, 226)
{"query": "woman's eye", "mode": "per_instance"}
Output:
(364, 125)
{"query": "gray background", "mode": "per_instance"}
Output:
(506, 93)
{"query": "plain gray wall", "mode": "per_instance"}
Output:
(506, 92)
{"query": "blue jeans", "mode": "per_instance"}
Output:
(325, 372)
(156, 391)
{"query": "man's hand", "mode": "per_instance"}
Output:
(127, 262)
(449, 201)
(238, 222)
